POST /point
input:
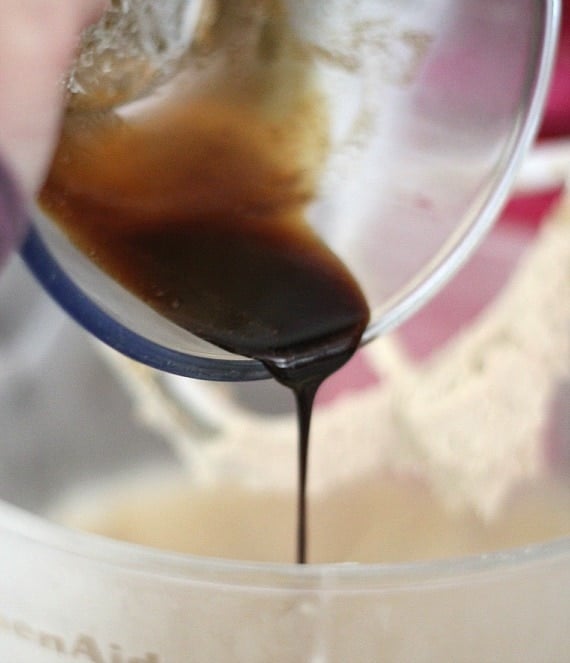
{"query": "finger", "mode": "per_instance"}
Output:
(38, 39)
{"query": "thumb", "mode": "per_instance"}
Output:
(90, 11)
(38, 39)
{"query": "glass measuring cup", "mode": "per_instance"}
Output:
(431, 106)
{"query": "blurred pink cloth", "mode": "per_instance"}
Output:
(556, 122)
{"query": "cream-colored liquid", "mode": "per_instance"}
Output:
(374, 519)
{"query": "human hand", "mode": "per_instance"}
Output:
(38, 39)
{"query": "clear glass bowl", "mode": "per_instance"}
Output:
(433, 104)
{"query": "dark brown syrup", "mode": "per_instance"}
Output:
(198, 208)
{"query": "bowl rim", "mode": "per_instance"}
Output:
(127, 558)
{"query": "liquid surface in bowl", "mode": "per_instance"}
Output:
(369, 519)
